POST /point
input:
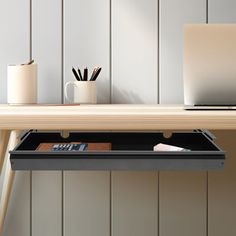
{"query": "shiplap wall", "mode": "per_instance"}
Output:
(139, 45)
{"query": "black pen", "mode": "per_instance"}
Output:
(80, 75)
(85, 74)
(96, 74)
(75, 74)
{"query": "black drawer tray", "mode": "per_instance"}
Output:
(130, 151)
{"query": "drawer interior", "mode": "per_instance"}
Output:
(125, 141)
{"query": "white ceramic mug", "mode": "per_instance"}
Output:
(85, 92)
(22, 84)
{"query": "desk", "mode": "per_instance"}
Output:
(14, 119)
(112, 117)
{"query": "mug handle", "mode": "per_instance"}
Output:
(66, 93)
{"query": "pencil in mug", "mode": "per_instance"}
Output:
(75, 74)
(97, 72)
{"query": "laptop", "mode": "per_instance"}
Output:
(210, 66)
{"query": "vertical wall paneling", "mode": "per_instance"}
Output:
(222, 11)
(17, 221)
(87, 41)
(87, 197)
(122, 37)
(134, 51)
(47, 52)
(173, 15)
(134, 80)
(182, 203)
(179, 191)
(14, 31)
(46, 203)
(18, 212)
(134, 203)
(46, 48)
(14, 48)
(87, 44)
(222, 191)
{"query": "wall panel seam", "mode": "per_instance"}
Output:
(158, 102)
(30, 58)
(207, 175)
(31, 206)
(207, 12)
(62, 203)
(111, 100)
(62, 101)
(110, 51)
(110, 204)
(207, 203)
(62, 52)
(158, 203)
(30, 30)
(158, 51)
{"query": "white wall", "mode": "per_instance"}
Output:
(139, 45)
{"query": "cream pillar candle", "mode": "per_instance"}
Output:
(22, 84)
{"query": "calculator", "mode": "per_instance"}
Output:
(70, 147)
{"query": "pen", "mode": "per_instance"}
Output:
(75, 74)
(96, 74)
(80, 75)
(85, 74)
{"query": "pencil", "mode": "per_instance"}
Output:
(96, 74)
(75, 74)
(80, 75)
(85, 74)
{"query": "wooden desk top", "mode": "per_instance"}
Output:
(113, 117)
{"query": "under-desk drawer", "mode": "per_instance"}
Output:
(119, 151)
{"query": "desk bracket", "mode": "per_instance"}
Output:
(207, 133)
(24, 133)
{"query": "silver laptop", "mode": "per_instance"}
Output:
(210, 66)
